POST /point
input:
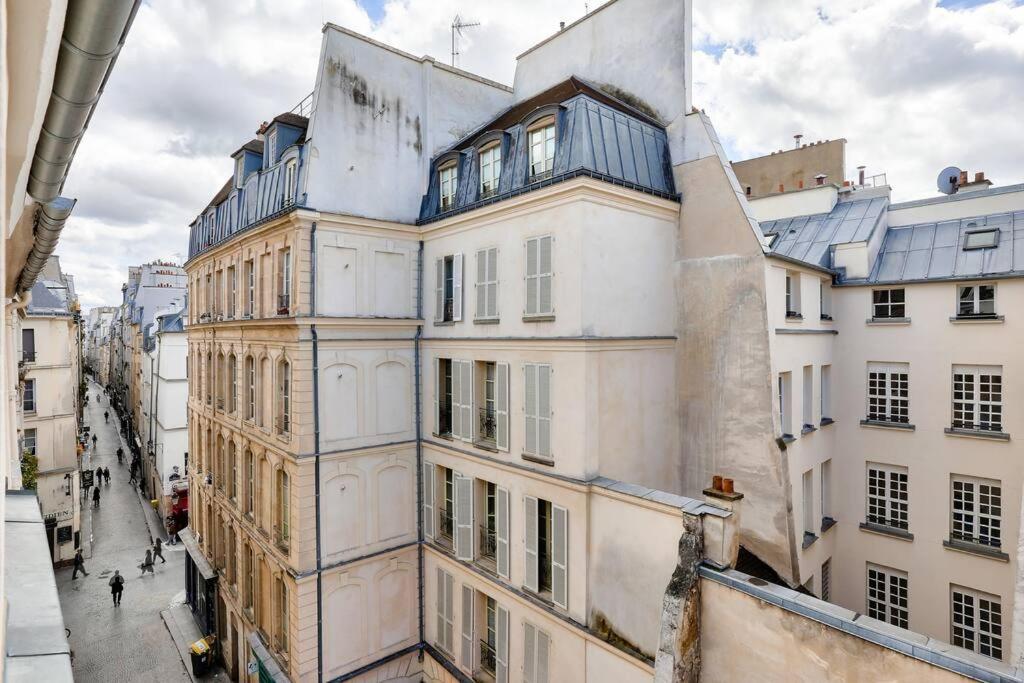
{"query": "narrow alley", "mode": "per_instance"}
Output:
(130, 642)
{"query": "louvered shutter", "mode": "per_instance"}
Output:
(543, 410)
(530, 407)
(466, 399)
(464, 518)
(456, 412)
(501, 551)
(467, 627)
(501, 647)
(439, 290)
(428, 499)
(531, 277)
(492, 283)
(501, 405)
(438, 395)
(440, 608)
(449, 607)
(543, 647)
(481, 284)
(559, 556)
(457, 287)
(544, 303)
(529, 653)
(530, 578)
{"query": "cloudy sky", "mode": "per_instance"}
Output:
(913, 85)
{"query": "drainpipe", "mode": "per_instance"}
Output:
(419, 444)
(49, 223)
(316, 456)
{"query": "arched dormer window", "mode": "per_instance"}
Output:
(540, 146)
(490, 168)
(448, 177)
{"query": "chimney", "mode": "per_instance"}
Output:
(796, 138)
(963, 178)
(782, 188)
(860, 175)
(722, 533)
(979, 177)
(800, 184)
(820, 179)
(561, 26)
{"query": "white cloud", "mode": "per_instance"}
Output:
(912, 86)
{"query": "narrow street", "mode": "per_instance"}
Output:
(130, 642)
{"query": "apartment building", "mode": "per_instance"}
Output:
(96, 333)
(894, 355)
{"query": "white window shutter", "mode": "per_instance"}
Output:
(449, 611)
(440, 608)
(544, 303)
(466, 399)
(428, 500)
(502, 534)
(543, 410)
(529, 653)
(543, 647)
(481, 284)
(501, 405)
(437, 395)
(492, 287)
(530, 577)
(467, 627)
(530, 407)
(439, 290)
(457, 287)
(560, 556)
(464, 518)
(501, 647)
(456, 412)
(531, 277)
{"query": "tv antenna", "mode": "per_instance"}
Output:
(458, 23)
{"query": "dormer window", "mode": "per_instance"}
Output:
(239, 170)
(449, 183)
(981, 239)
(490, 170)
(290, 176)
(272, 147)
(541, 143)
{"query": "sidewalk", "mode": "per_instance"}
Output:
(184, 632)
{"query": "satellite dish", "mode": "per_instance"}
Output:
(948, 179)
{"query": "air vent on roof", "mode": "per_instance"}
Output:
(981, 239)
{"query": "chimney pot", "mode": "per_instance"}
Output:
(716, 482)
(963, 177)
(727, 486)
(820, 178)
(782, 188)
(800, 185)
(979, 176)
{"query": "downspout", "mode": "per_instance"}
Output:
(155, 399)
(49, 223)
(316, 456)
(419, 445)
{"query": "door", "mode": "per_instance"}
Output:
(235, 663)
(51, 530)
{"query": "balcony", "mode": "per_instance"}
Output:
(284, 304)
(488, 543)
(447, 523)
(28, 356)
(487, 427)
(488, 657)
(444, 413)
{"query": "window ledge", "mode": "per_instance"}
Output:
(887, 321)
(444, 323)
(827, 523)
(788, 438)
(540, 318)
(880, 424)
(486, 321)
(977, 319)
(539, 459)
(807, 429)
(809, 540)
(826, 421)
(446, 437)
(485, 446)
(826, 318)
(976, 434)
(901, 534)
(794, 318)
(976, 549)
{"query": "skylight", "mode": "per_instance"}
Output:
(981, 239)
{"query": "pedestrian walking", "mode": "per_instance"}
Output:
(147, 564)
(106, 416)
(158, 550)
(116, 587)
(120, 455)
(96, 496)
(106, 475)
(79, 565)
(99, 476)
(94, 442)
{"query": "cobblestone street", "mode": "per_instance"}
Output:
(131, 642)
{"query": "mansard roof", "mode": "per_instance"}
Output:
(809, 238)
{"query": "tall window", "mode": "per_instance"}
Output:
(448, 289)
(826, 392)
(222, 378)
(284, 283)
(265, 408)
(487, 424)
(281, 597)
(808, 387)
(489, 526)
(232, 291)
(209, 378)
(539, 276)
(541, 142)
(887, 596)
(490, 170)
(232, 379)
(889, 392)
(537, 388)
(888, 303)
(444, 396)
(233, 470)
(976, 301)
(488, 646)
(272, 148)
(284, 397)
(826, 489)
(445, 611)
(449, 177)
(808, 501)
(487, 284)
(250, 576)
(283, 507)
(28, 345)
(792, 294)
(250, 288)
(28, 397)
(977, 510)
(250, 388)
(290, 177)
(250, 482)
(977, 622)
(784, 397)
(546, 550)
(826, 580)
(239, 170)
(888, 497)
(536, 646)
(825, 297)
(28, 441)
(446, 507)
(978, 398)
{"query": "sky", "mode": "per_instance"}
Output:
(912, 85)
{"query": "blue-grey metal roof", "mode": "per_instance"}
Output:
(809, 238)
(172, 322)
(935, 251)
(45, 302)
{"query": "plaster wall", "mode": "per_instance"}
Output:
(793, 169)
(801, 203)
(956, 207)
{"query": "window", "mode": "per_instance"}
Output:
(808, 397)
(232, 292)
(209, 378)
(888, 499)
(28, 397)
(792, 294)
(785, 401)
(239, 170)
(981, 239)
(464, 513)
(272, 148)
(490, 170)
(808, 502)
(250, 576)
(537, 390)
(233, 466)
(281, 590)
(977, 622)
(290, 176)
(976, 301)
(250, 388)
(284, 508)
(541, 142)
(546, 550)
(538, 277)
(449, 176)
(888, 303)
(284, 283)
(448, 289)
(826, 489)
(218, 293)
(284, 397)
(825, 299)
(977, 509)
(28, 442)
(250, 483)
(250, 288)
(489, 524)
(488, 645)
(446, 508)
(978, 398)
(444, 397)
(826, 580)
(232, 379)
(491, 390)
(28, 345)
(445, 611)
(887, 596)
(889, 392)
(536, 646)
(454, 398)
(487, 284)
(826, 392)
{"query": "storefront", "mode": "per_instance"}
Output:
(200, 584)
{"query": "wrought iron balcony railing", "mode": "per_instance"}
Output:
(447, 523)
(487, 425)
(28, 356)
(488, 657)
(282, 537)
(488, 543)
(283, 304)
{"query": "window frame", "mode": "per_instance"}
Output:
(887, 307)
(489, 157)
(977, 302)
(976, 620)
(885, 382)
(968, 395)
(28, 396)
(291, 174)
(888, 494)
(547, 164)
(975, 511)
(994, 231)
(885, 609)
(447, 175)
(539, 279)
(487, 287)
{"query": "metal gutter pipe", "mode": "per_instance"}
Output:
(316, 458)
(419, 443)
(94, 31)
(49, 223)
